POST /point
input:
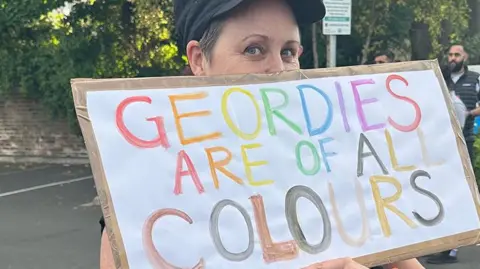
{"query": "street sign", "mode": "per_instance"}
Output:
(338, 20)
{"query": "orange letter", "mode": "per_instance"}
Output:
(155, 258)
(178, 117)
(220, 165)
(183, 156)
(382, 203)
(160, 140)
(272, 252)
(248, 166)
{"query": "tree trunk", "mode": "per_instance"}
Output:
(474, 23)
(420, 41)
(444, 38)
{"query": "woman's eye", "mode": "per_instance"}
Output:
(253, 51)
(288, 53)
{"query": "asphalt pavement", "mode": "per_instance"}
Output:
(49, 220)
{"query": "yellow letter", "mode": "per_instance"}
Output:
(248, 166)
(425, 155)
(393, 156)
(229, 120)
(382, 203)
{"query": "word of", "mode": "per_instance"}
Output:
(288, 250)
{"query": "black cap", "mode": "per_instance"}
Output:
(192, 17)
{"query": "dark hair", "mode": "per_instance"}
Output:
(456, 44)
(387, 53)
(207, 42)
(187, 71)
(210, 37)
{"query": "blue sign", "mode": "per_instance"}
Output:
(476, 125)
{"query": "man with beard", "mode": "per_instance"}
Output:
(464, 84)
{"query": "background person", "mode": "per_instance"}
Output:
(384, 57)
(464, 91)
(465, 84)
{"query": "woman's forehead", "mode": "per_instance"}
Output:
(268, 9)
(263, 17)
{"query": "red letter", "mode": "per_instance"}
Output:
(155, 258)
(183, 156)
(160, 140)
(418, 112)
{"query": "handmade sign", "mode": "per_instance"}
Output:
(279, 171)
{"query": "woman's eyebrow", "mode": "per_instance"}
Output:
(256, 35)
(292, 42)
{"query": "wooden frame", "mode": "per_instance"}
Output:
(80, 88)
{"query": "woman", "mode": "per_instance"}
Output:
(223, 37)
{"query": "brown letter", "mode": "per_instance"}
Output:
(154, 257)
(363, 212)
(272, 252)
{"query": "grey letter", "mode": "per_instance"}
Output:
(441, 211)
(292, 219)
(217, 209)
(361, 155)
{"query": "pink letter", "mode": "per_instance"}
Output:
(360, 103)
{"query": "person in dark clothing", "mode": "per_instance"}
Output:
(464, 84)
(102, 225)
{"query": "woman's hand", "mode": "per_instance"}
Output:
(347, 263)
(344, 263)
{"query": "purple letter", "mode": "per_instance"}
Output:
(360, 103)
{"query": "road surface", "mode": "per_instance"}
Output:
(49, 220)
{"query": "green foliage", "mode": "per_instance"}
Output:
(43, 44)
(435, 12)
(41, 48)
(476, 161)
(472, 43)
(387, 24)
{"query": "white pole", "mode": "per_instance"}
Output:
(332, 51)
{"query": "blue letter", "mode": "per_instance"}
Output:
(326, 154)
(328, 120)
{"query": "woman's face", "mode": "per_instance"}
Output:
(260, 38)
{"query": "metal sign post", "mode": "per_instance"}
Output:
(337, 21)
(332, 51)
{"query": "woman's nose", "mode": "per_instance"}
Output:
(274, 64)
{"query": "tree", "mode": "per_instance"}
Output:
(43, 47)
(43, 44)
